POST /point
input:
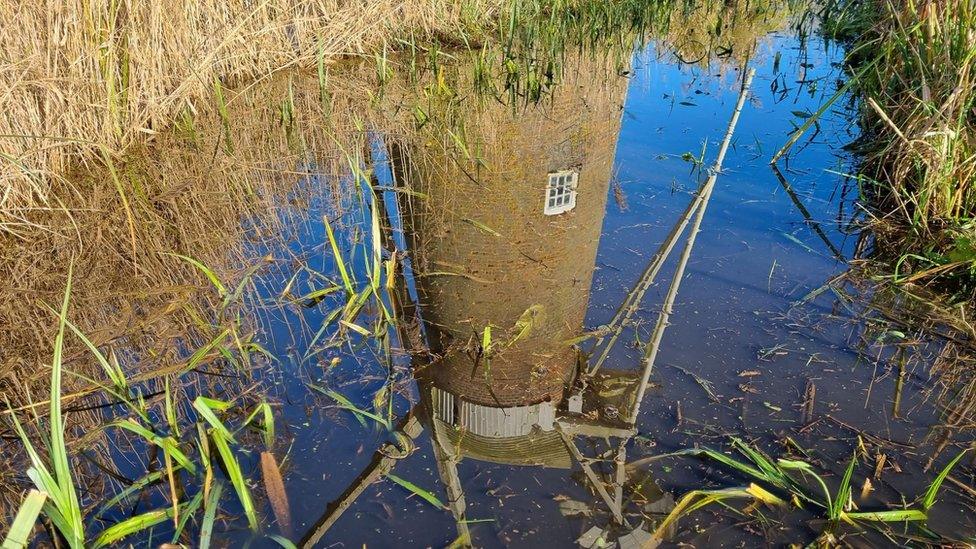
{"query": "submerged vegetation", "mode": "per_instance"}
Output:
(796, 483)
(192, 449)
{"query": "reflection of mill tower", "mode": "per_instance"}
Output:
(507, 239)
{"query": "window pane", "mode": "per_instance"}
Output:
(552, 202)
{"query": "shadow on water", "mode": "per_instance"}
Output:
(459, 278)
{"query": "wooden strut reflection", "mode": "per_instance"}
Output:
(633, 300)
(410, 336)
(635, 297)
(697, 208)
(813, 224)
(378, 467)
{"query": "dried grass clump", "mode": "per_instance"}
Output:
(921, 110)
(185, 194)
(80, 75)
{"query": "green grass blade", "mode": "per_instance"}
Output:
(186, 515)
(900, 515)
(316, 296)
(203, 407)
(170, 409)
(812, 119)
(321, 331)
(231, 297)
(726, 460)
(282, 541)
(377, 247)
(69, 506)
(481, 226)
(131, 490)
(166, 444)
(113, 372)
(772, 474)
(210, 513)
(844, 491)
(806, 468)
(337, 255)
(60, 522)
(19, 535)
(197, 357)
(267, 420)
(211, 276)
(427, 496)
(38, 472)
(348, 405)
(236, 478)
(486, 340)
(696, 499)
(929, 500)
(134, 525)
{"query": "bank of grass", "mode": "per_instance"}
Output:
(84, 82)
(81, 79)
(916, 63)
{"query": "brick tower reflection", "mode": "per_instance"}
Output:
(506, 240)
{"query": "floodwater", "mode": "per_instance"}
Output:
(754, 348)
(736, 360)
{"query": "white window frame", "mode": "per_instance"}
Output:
(561, 192)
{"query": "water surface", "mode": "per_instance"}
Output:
(479, 311)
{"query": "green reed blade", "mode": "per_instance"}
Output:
(426, 495)
(131, 490)
(20, 530)
(210, 513)
(206, 408)
(282, 541)
(207, 272)
(134, 525)
(185, 516)
(933, 491)
(337, 256)
(236, 476)
(885, 516)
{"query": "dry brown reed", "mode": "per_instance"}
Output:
(79, 75)
(188, 194)
(919, 119)
(919, 102)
